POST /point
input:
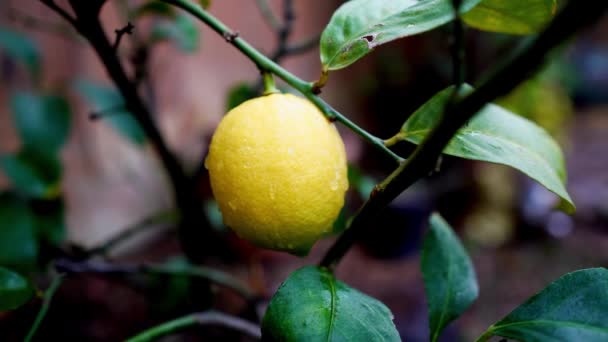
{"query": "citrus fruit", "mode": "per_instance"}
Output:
(278, 172)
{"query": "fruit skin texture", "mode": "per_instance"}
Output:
(278, 171)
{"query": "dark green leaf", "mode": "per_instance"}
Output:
(239, 94)
(498, 136)
(49, 220)
(511, 16)
(573, 308)
(205, 3)
(182, 30)
(18, 245)
(21, 48)
(14, 290)
(43, 121)
(358, 26)
(449, 277)
(109, 105)
(311, 305)
(33, 174)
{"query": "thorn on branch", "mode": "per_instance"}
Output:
(121, 32)
(231, 36)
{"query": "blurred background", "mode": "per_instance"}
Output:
(111, 178)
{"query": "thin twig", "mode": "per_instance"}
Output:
(201, 319)
(284, 32)
(63, 13)
(268, 15)
(40, 24)
(302, 46)
(100, 267)
(125, 234)
(128, 29)
(48, 297)
(193, 224)
(457, 47)
(265, 63)
(517, 69)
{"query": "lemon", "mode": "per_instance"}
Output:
(278, 172)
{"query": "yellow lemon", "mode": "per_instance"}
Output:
(278, 172)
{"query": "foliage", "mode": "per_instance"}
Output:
(449, 276)
(14, 290)
(573, 308)
(495, 135)
(311, 304)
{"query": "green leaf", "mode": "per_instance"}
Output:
(182, 30)
(14, 290)
(311, 305)
(43, 121)
(498, 136)
(21, 48)
(358, 26)
(18, 245)
(239, 94)
(205, 3)
(33, 174)
(449, 277)
(573, 308)
(49, 220)
(109, 104)
(511, 16)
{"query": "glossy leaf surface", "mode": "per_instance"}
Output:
(449, 277)
(498, 136)
(311, 305)
(511, 16)
(358, 26)
(573, 308)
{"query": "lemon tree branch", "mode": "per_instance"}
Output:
(515, 70)
(86, 22)
(199, 319)
(217, 277)
(265, 63)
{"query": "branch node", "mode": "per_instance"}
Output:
(230, 37)
(121, 32)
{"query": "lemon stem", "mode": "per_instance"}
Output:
(308, 89)
(509, 74)
(269, 85)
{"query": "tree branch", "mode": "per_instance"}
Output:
(62, 13)
(265, 63)
(457, 47)
(127, 233)
(192, 225)
(121, 32)
(268, 15)
(572, 18)
(201, 319)
(284, 31)
(303, 46)
(39, 24)
(214, 276)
